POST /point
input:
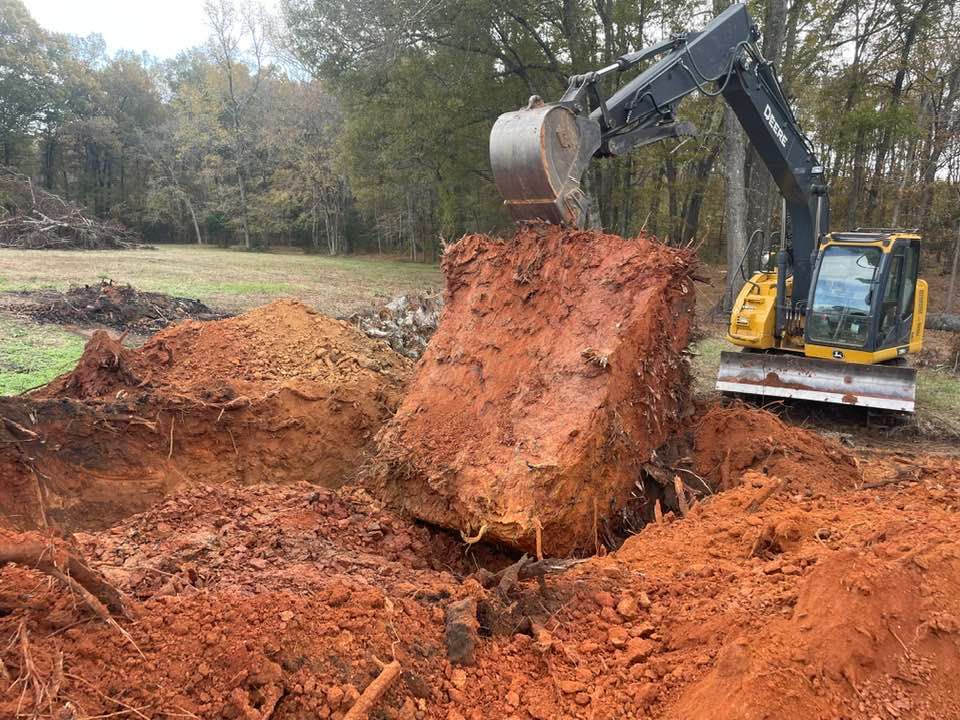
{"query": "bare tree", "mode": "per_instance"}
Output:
(238, 44)
(734, 155)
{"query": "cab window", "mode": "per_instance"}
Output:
(909, 288)
(844, 294)
(889, 308)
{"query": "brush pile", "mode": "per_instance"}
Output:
(122, 307)
(406, 323)
(33, 219)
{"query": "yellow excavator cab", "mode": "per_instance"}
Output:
(866, 311)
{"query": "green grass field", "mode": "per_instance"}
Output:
(32, 354)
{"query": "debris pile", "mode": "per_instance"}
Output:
(279, 394)
(33, 219)
(121, 307)
(555, 374)
(407, 322)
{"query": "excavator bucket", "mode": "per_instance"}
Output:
(538, 155)
(832, 381)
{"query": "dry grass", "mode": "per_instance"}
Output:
(226, 279)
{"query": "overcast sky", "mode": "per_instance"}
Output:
(161, 27)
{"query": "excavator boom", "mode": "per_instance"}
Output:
(539, 155)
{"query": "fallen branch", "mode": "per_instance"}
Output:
(374, 691)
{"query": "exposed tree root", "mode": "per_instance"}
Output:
(99, 595)
(374, 691)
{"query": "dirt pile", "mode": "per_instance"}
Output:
(727, 441)
(277, 601)
(555, 373)
(279, 394)
(121, 307)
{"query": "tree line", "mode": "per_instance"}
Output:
(222, 144)
(363, 126)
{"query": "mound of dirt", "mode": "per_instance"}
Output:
(283, 343)
(729, 440)
(277, 601)
(277, 395)
(121, 307)
(555, 373)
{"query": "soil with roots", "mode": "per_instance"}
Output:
(220, 484)
(838, 598)
(279, 394)
(555, 373)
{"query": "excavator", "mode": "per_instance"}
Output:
(830, 316)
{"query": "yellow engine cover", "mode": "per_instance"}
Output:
(753, 318)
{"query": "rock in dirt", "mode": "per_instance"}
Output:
(554, 375)
(461, 631)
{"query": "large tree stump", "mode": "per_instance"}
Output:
(554, 375)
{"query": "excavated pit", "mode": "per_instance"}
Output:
(279, 601)
(554, 375)
(280, 394)
(806, 578)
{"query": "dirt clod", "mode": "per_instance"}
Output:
(461, 631)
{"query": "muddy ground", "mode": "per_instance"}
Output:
(759, 569)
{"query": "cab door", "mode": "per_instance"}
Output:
(895, 310)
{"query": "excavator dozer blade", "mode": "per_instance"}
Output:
(538, 155)
(788, 376)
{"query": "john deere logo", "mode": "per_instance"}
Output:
(775, 126)
(838, 354)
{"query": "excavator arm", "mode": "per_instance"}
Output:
(540, 153)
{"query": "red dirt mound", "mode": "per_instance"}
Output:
(279, 394)
(284, 342)
(270, 601)
(731, 440)
(554, 374)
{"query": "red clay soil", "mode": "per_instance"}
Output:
(554, 374)
(274, 601)
(279, 394)
(731, 439)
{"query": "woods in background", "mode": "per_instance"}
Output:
(364, 125)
